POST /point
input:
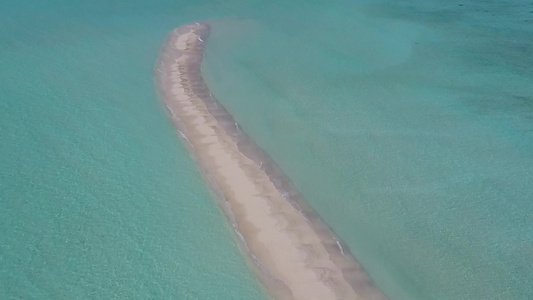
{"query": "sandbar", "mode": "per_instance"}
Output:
(294, 254)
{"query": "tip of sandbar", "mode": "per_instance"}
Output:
(200, 28)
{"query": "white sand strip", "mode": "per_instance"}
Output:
(296, 257)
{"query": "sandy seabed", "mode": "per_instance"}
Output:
(293, 253)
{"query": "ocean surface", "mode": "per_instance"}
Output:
(407, 125)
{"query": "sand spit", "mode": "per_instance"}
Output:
(295, 255)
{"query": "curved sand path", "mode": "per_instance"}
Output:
(295, 255)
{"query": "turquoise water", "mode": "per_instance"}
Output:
(406, 124)
(99, 199)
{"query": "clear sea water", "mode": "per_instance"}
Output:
(408, 125)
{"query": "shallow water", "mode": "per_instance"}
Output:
(407, 125)
(99, 199)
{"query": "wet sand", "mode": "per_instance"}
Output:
(294, 253)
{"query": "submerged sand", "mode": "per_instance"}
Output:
(294, 254)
